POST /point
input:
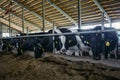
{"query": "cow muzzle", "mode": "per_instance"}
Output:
(63, 51)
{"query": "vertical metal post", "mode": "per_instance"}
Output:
(102, 34)
(9, 25)
(102, 22)
(11, 31)
(79, 14)
(22, 19)
(27, 31)
(110, 23)
(43, 14)
(0, 28)
(53, 38)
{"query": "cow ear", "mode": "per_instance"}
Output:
(107, 43)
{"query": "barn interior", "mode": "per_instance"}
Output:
(37, 15)
(34, 16)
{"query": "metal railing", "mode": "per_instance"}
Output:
(76, 33)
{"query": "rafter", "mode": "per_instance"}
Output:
(102, 10)
(64, 13)
(21, 18)
(40, 17)
(13, 25)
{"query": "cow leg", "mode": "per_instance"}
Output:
(20, 51)
(96, 56)
(90, 53)
(106, 53)
(4, 47)
(81, 53)
(9, 47)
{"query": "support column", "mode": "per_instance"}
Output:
(103, 37)
(53, 38)
(27, 31)
(0, 29)
(79, 14)
(102, 22)
(43, 14)
(22, 19)
(110, 23)
(9, 25)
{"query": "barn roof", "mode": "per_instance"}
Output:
(61, 12)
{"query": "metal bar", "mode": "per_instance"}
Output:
(53, 39)
(102, 21)
(79, 14)
(27, 31)
(103, 36)
(11, 31)
(101, 9)
(64, 13)
(0, 29)
(110, 23)
(22, 19)
(9, 26)
(77, 33)
(43, 14)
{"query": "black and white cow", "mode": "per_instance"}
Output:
(68, 44)
(98, 44)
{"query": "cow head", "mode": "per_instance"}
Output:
(63, 42)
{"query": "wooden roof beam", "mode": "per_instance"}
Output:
(64, 13)
(13, 25)
(102, 10)
(21, 18)
(40, 17)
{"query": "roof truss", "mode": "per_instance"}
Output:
(101, 9)
(64, 13)
(40, 17)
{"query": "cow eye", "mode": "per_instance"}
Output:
(69, 41)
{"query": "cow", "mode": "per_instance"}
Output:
(68, 44)
(99, 44)
(23, 44)
(30, 44)
(5, 44)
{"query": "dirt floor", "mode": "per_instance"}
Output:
(53, 68)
